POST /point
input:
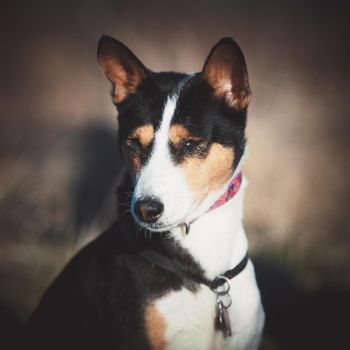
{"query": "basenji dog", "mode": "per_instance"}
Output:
(172, 273)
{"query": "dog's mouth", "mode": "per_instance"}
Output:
(162, 225)
(157, 226)
(151, 214)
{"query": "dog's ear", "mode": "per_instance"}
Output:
(225, 70)
(121, 67)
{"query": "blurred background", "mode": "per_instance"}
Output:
(60, 164)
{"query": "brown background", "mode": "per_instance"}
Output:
(60, 165)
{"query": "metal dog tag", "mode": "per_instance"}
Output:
(223, 319)
(221, 287)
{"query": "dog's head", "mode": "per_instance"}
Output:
(182, 136)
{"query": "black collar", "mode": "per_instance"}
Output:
(180, 270)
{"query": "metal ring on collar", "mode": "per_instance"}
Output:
(225, 300)
(226, 285)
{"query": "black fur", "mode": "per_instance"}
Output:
(98, 301)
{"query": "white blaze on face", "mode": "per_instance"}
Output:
(160, 178)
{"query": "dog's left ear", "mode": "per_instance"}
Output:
(225, 70)
(121, 67)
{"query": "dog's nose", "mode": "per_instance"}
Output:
(148, 209)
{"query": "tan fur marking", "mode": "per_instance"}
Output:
(136, 161)
(209, 174)
(155, 328)
(179, 133)
(144, 133)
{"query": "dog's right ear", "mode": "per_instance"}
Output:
(121, 67)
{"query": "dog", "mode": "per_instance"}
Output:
(172, 272)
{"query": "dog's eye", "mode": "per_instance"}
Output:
(133, 145)
(190, 145)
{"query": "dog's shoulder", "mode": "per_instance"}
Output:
(109, 257)
(104, 284)
(96, 290)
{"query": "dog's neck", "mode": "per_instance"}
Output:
(217, 240)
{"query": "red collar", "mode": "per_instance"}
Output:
(232, 188)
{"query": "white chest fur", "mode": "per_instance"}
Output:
(190, 317)
(218, 242)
